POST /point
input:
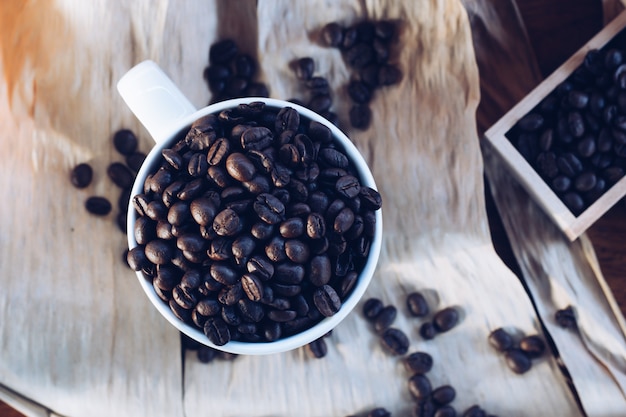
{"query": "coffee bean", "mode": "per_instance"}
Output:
(443, 395)
(100, 206)
(445, 411)
(566, 318)
(517, 360)
(136, 258)
(379, 412)
(428, 330)
(419, 386)
(360, 116)
(423, 408)
(418, 362)
(385, 318)
(395, 341)
(318, 348)
(501, 340)
(332, 34)
(446, 319)
(474, 411)
(326, 300)
(125, 141)
(159, 251)
(359, 92)
(81, 175)
(533, 346)
(372, 307)
(417, 305)
(217, 331)
(226, 223)
(269, 208)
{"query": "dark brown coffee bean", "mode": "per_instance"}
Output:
(287, 119)
(385, 318)
(240, 167)
(531, 122)
(360, 116)
(160, 180)
(379, 412)
(427, 330)
(203, 211)
(173, 158)
(269, 208)
(533, 346)
(125, 141)
(159, 251)
(281, 316)
(443, 395)
(183, 298)
(250, 310)
(318, 348)
(326, 300)
(226, 223)
(261, 267)
(320, 270)
(275, 249)
(136, 258)
(445, 411)
(344, 220)
(304, 68)
(424, 408)
(419, 386)
(372, 307)
(446, 319)
(178, 214)
(297, 251)
(231, 295)
(291, 228)
(289, 273)
(517, 360)
(100, 206)
(586, 181)
(387, 75)
(223, 273)
(566, 318)
(191, 242)
(418, 362)
(320, 103)
(501, 340)
(217, 331)
(574, 202)
(417, 305)
(359, 55)
(395, 341)
(156, 210)
(315, 226)
(317, 85)
(474, 411)
(332, 35)
(81, 175)
(348, 186)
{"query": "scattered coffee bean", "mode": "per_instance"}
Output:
(379, 412)
(372, 307)
(445, 319)
(81, 175)
(443, 395)
(418, 362)
(428, 330)
(125, 142)
(318, 348)
(501, 340)
(566, 318)
(395, 341)
(419, 386)
(100, 206)
(417, 305)
(533, 346)
(385, 318)
(517, 360)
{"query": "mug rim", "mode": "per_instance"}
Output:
(320, 328)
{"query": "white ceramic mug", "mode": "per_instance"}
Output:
(165, 112)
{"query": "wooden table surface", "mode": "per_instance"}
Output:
(556, 29)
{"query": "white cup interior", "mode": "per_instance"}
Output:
(326, 324)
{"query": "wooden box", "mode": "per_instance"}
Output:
(500, 136)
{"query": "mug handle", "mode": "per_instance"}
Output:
(154, 99)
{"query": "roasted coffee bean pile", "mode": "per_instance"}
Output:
(255, 224)
(393, 340)
(518, 355)
(429, 401)
(122, 174)
(367, 48)
(575, 138)
(232, 73)
(319, 94)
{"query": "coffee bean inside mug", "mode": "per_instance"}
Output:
(267, 210)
